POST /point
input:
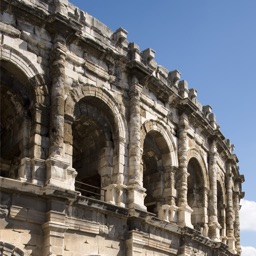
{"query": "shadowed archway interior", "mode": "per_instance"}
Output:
(195, 194)
(155, 151)
(93, 146)
(15, 119)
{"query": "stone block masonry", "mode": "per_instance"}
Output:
(103, 151)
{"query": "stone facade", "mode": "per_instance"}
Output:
(103, 151)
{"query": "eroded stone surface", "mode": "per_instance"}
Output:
(103, 151)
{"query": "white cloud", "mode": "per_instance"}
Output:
(248, 251)
(247, 216)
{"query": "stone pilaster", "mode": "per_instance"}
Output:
(214, 226)
(229, 209)
(168, 210)
(25, 170)
(59, 172)
(205, 227)
(40, 129)
(224, 226)
(237, 221)
(136, 192)
(57, 100)
(184, 211)
(54, 230)
(115, 192)
(170, 192)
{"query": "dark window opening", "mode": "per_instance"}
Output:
(155, 150)
(195, 194)
(92, 148)
(15, 120)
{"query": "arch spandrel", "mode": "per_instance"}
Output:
(152, 125)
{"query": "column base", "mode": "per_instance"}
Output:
(184, 216)
(136, 195)
(59, 174)
(231, 242)
(214, 231)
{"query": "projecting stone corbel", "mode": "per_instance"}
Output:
(183, 88)
(135, 52)
(212, 119)
(61, 6)
(174, 77)
(184, 216)
(148, 55)
(120, 36)
(192, 94)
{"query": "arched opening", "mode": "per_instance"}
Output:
(155, 158)
(221, 210)
(10, 249)
(15, 119)
(195, 194)
(93, 146)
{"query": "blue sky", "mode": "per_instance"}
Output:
(213, 45)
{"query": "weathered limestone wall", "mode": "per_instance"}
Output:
(103, 151)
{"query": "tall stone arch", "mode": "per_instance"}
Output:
(32, 71)
(10, 249)
(158, 165)
(96, 106)
(197, 193)
(24, 81)
(221, 208)
(194, 153)
(153, 125)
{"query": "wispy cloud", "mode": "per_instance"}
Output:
(247, 216)
(248, 251)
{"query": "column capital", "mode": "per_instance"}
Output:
(213, 147)
(60, 46)
(183, 121)
(135, 88)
